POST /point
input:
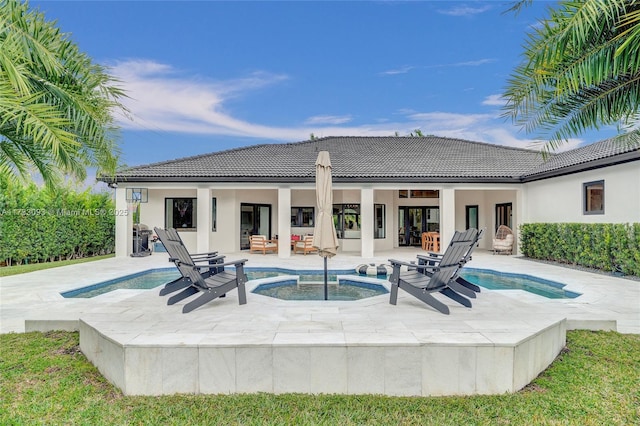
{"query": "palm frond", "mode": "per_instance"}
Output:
(56, 105)
(575, 75)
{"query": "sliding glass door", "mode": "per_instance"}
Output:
(504, 215)
(255, 219)
(413, 221)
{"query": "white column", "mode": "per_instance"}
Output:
(204, 220)
(366, 222)
(447, 216)
(284, 222)
(124, 224)
(520, 208)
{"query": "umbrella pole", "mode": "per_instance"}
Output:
(326, 292)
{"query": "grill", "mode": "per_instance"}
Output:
(141, 235)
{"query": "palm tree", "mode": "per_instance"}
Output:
(581, 70)
(56, 105)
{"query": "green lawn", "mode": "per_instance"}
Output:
(5, 271)
(45, 379)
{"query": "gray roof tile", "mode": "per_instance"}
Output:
(608, 148)
(368, 158)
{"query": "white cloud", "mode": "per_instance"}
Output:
(502, 136)
(475, 127)
(464, 10)
(471, 63)
(447, 120)
(405, 69)
(140, 68)
(570, 144)
(328, 119)
(164, 99)
(402, 70)
(161, 98)
(494, 100)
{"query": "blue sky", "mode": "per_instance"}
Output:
(205, 76)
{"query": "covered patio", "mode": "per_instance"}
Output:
(369, 221)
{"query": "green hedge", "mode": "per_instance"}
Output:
(606, 246)
(38, 225)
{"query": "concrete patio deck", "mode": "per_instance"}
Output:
(268, 345)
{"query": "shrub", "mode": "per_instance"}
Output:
(606, 246)
(39, 224)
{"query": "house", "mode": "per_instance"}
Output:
(387, 190)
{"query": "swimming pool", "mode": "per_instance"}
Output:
(144, 280)
(487, 278)
(346, 290)
(153, 278)
(308, 276)
(495, 280)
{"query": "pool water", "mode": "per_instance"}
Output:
(346, 290)
(305, 276)
(486, 278)
(140, 281)
(157, 277)
(494, 280)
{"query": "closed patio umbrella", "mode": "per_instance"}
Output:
(324, 232)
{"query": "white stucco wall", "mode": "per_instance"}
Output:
(553, 200)
(152, 213)
(500, 197)
(391, 212)
(474, 198)
(561, 199)
(225, 238)
(486, 200)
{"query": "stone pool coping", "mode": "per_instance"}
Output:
(385, 340)
(359, 347)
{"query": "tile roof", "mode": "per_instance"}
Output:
(610, 150)
(379, 159)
